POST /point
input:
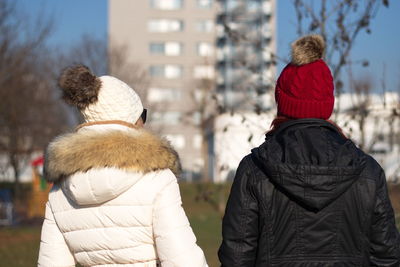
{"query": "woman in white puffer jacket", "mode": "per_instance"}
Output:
(115, 199)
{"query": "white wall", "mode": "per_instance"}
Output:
(232, 133)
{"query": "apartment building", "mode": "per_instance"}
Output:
(183, 42)
(246, 46)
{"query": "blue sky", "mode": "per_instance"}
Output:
(73, 18)
(380, 47)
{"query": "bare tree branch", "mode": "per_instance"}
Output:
(29, 115)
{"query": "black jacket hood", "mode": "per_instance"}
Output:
(310, 161)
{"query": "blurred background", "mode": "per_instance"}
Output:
(205, 70)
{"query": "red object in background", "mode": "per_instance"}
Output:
(40, 189)
(38, 161)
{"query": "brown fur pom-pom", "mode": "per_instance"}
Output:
(308, 49)
(79, 85)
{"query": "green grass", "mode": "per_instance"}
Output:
(201, 204)
(19, 245)
(207, 229)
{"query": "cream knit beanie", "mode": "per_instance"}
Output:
(102, 98)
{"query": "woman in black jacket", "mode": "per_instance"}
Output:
(308, 196)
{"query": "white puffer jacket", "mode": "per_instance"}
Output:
(115, 202)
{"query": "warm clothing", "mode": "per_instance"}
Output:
(104, 98)
(309, 197)
(305, 87)
(116, 101)
(115, 202)
(305, 91)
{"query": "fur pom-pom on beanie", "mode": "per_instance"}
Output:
(307, 49)
(99, 99)
(305, 87)
(80, 86)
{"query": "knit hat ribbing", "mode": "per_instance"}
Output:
(102, 98)
(305, 86)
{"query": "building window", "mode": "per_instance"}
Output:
(177, 140)
(253, 6)
(173, 71)
(203, 72)
(266, 30)
(267, 55)
(204, 25)
(204, 3)
(157, 48)
(166, 117)
(267, 7)
(166, 4)
(205, 49)
(166, 71)
(156, 95)
(167, 48)
(173, 49)
(267, 75)
(196, 118)
(157, 71)
(197, 141)
(165, 25)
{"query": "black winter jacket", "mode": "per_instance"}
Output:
(309, 197)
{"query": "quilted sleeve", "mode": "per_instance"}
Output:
(175, 240)
(53, 251)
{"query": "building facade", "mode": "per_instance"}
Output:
(186, 45)
(246, 45)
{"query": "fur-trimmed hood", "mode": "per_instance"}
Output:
(132, 150)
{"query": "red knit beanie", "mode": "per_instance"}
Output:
(305, 86)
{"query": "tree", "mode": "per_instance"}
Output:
(202, 117)
(130, 72)
(361, 111)
(339, 22)
(244, 65)
(29, 116)
(90, 51)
